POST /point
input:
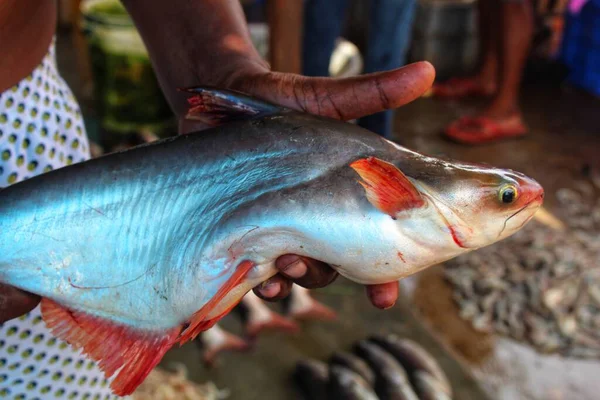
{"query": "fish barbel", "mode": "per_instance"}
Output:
(138, 250)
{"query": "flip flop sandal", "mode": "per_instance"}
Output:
(480, 130)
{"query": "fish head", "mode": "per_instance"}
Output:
(439, 209)
(478, 204)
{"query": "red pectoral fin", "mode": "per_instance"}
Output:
(387, 187)
(198, 322)
(113, 346)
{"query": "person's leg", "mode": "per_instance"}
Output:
(390, 27)
(484, 81)
(323, 20)
(502, 118)
(489, 28)
(517, 31)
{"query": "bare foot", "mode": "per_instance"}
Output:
(463, 87)
(216, 340)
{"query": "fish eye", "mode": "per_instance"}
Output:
(508, 194)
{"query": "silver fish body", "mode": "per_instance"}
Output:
(147, 236)
(154, 244)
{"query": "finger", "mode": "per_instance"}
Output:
(305, 272)
(273, 289)
(383, 295)
(347, 98)
(15, 302)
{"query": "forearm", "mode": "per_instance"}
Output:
(195, 42)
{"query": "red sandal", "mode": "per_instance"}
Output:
(480, 130)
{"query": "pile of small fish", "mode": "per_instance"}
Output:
(163, 384)
(541, 286)
(381, 367)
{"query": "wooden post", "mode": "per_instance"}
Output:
(79, 41)
(285, 44)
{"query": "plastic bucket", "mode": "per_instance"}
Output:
(126, 92)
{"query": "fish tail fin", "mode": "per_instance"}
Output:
(218, 106)
(133, 353)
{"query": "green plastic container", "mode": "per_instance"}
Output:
(127, 94)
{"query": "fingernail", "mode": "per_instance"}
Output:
(270, 289)
(295, 270)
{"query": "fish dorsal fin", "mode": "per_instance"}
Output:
(113, 346)
(217, 106)
(387, 187)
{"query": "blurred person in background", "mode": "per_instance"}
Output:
(41, 128)
(506, 31)
(389, 33)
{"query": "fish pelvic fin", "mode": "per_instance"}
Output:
(214, 106)
(387, 188)
(199, 322)
(112, 346)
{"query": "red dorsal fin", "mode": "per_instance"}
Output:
(198, 322)
(216, 106)
(387, 187)
(113, 346)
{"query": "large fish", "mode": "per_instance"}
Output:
(391, 380)
(413, 358)
(311, 378)
(346, 384)
(353, 363)
(138, 250)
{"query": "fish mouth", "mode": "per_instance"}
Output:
(520, 210)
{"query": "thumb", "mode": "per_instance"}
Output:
(346, 98)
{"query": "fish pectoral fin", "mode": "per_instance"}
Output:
(387, 188)
(217, 106)
(200, 321)
(113, 346)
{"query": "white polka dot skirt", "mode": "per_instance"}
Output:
(36, 365)
(41, 128)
